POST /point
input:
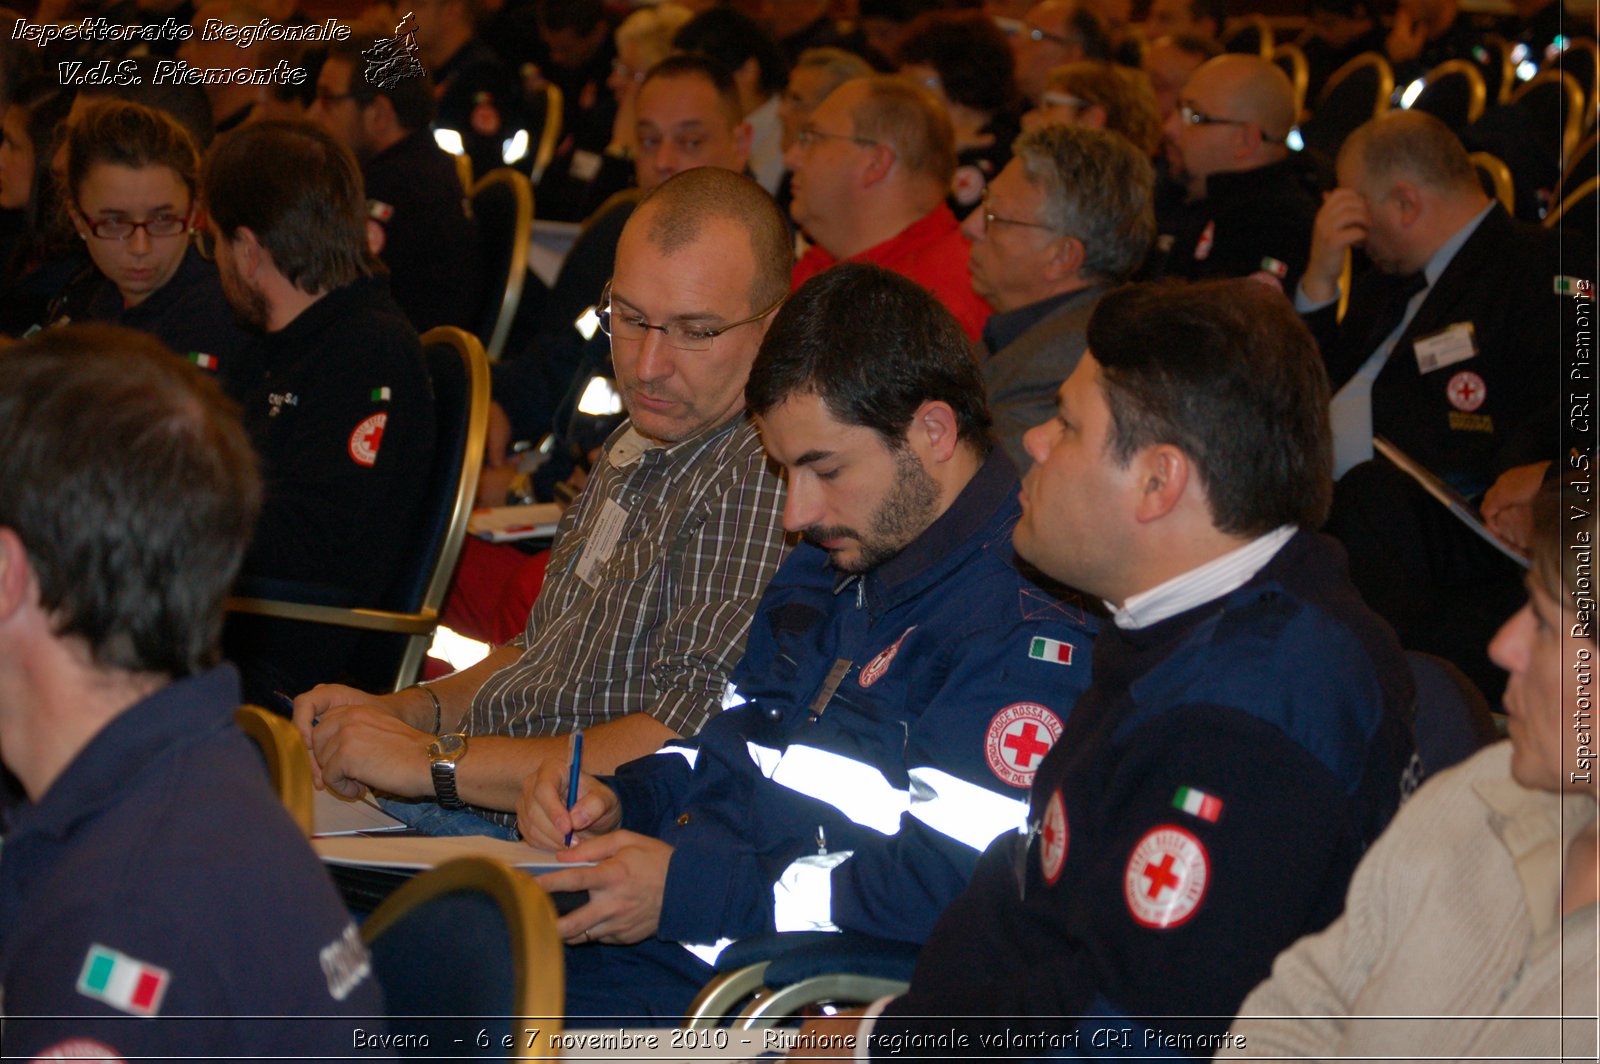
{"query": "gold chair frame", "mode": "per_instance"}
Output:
(1499, 176)
(1477, 92)
(288, 760)
(517, 270)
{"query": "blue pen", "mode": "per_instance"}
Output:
(575, 766)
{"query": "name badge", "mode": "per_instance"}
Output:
(585, 165)
(601, 542)
(1452, 344)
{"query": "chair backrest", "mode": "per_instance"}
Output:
(1577, 209)
(502, 204)
(464, 172)
(550, 132)
(460, 375)
(288, 761)
(1495, 176)
(471, 938)
(1499, 72)
(1453, 721)
(1580, 60)
(1553, 100)
(1354, 94)
(1249, 35)
(1292, 61)
(1584, 163)
(1454, 93)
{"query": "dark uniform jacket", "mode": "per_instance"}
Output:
(415, 201)
(160, 877)
(1251, 223)
(1204, 808)
(1467, 421)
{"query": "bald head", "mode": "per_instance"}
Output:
(1252, 89)
(676, 212)
(1416, 147)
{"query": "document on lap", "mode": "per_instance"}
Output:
(333, 815)
(413, 853)
(503, 524)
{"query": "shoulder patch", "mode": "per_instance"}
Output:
(366, 438)
(1053, 839)
(1019, 737)
(80, 1049)
(874, 669)
(123, 982)
(1166, 877)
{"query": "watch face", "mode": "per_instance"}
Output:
(447, 747)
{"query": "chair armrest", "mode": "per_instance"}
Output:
(419, 623)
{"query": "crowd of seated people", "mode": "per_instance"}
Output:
(898, 304)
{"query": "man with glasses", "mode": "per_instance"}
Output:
(1068, 217)
(1052, 33)
(871, 169)
(416, 216)
(655, 570)
(1250, 201)
(902, 684)
(341, 411)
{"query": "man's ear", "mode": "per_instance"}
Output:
(16, 574)
(1408, 198)
(933, 431)
(378, 118)
(1066, 259)
(1164, 473)
(880, 164)
(248, 254)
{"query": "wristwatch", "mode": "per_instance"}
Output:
(443, 754)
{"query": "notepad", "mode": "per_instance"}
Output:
(333, 815)
(502, 524)
(413, 853)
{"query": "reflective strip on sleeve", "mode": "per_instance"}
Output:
(802, 898)
(710, 953)
(853, 787)
(964, 811)
(690, 754)
(731, 698)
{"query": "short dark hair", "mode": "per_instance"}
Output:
(136, 529)
(1215, 10)
(733, 40)
(411, 97)
(819, 344)
(1226, 372)
(694, 65)
(186, 103)
(971, 54)
(308, 207)
(580, 16)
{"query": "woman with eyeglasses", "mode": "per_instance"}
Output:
(1100, 95)
(131, 179)
(1469, 931)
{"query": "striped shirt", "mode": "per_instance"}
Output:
(654, 624)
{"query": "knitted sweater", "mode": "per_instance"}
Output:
(1451, 930)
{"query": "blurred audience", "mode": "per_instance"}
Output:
(1098, 95)
(40, 260)
(1198, 18)
(1055, 32)
(758, 70)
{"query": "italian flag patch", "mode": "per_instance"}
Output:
(381, 395)
(1051, 650)
(122, 981)
(1197, 803)
(203, 360)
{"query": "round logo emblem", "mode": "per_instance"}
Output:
(1466, 391)
(967, 185)
(1053, 839)
(879, 665)
(1166, 877)
(1019, 737)
(365, 439)
(1208, 237)
(81, 1049)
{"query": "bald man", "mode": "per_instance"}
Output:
(1250, 202)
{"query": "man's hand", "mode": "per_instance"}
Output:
(494, 480)
(1508, 504)
(625, 888)
(542, 815)
(823, 1037)
(360, 746)
(1405, 39)
(1340, 225)
(316, 702)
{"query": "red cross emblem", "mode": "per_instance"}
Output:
(1019, 737)
(1466, 391)
(1166, 877)
(365, 439)
(1053, 839)
(880, 664)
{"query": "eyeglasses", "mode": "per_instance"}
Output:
(626, 325)
(1061, 99)
(1035, 34)
(991, 218)
(1191, 117)
(162, 225)
(809, 135)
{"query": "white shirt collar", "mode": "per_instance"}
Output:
(1202, 584)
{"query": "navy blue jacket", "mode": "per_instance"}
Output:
(161, 852)
(1281, 712)
(892, 724)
